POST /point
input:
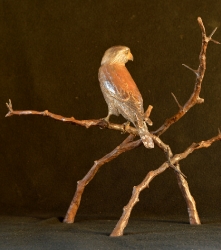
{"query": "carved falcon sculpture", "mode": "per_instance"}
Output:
(121, 92)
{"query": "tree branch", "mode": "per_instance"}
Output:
(84, 123)
(122, 223)
(194, 98)
(88, 123)
(190, 202)
(126, 145)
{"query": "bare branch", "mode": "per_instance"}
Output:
(207, 38)
(88, 123)
(191, 204)
(122, 223)
(126, 145)
(193, 70)
(194, 98)
(85, 123)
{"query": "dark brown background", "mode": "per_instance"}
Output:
(49, 59)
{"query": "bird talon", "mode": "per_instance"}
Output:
(126, 125)
(148, 121)
(104, 122)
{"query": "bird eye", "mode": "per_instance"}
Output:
(126, 51)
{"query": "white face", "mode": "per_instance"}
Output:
(123, 55)
(117, 54)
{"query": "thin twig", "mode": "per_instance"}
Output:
(178, 104)
(194, 98)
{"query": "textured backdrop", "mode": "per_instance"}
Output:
(49, 59)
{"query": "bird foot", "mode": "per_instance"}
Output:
(126, 125)
(148, 121)
(104, 122)
(106, 119)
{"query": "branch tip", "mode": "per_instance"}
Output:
(209, 38)
(176, 100)
(216, 42)
(147, 115)
(200, 100)
(193, 70)
(10, 109)
(199, 19)
(212, 33)
(200, 22)
(9, 104)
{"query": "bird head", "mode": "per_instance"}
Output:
(117, 55)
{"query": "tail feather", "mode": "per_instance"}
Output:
(145, 135)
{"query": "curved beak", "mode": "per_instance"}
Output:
(130, 56)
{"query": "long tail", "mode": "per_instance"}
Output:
(144, 134)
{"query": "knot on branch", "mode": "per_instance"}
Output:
(45, 113)
(200, 100)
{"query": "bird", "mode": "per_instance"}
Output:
(121, 92)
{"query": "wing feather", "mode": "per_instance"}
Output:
(117, 80)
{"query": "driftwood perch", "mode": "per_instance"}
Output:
(129, 143)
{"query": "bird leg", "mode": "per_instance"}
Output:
(107, 117)
(126, 126)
